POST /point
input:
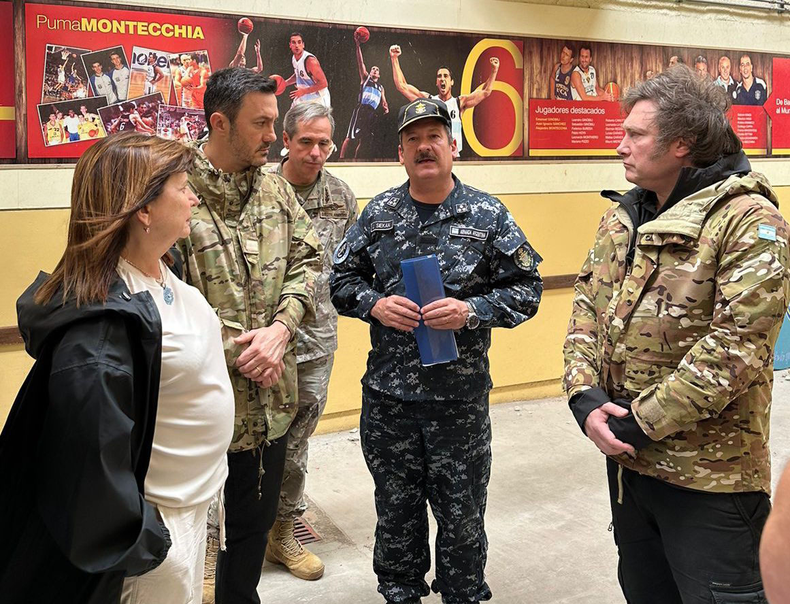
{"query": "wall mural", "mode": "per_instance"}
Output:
(93, 71)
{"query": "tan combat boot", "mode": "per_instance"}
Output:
(283, 548)
(210, 569)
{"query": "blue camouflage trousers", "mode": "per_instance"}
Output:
(437, 452)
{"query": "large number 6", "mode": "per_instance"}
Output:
(515, 99)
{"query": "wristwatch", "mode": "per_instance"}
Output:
(472, 320)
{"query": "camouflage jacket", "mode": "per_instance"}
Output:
(254, 255)
(484, 258)
(687, 331)
(332, 207)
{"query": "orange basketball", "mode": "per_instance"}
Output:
(613, 89)
(362, 34)
(93, 133)
(244, 26)
(193, 79)
(280, 83)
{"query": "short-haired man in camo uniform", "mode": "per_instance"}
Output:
(307, 134)
(254, 255)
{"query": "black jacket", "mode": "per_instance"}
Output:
(75, 449)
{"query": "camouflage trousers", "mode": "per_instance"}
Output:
(313, 379)
(437, 452)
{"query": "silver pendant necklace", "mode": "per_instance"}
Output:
(167, 293)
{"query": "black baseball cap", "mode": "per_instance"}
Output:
(422, 108)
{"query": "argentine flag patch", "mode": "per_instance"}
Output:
(767, 232)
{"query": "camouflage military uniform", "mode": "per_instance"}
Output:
(682, 325)
(687, 332)
(333, 209)
(255, 257)
(425, 431)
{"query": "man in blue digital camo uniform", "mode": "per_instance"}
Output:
(425, 431)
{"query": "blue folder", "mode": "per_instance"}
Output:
(424, 285)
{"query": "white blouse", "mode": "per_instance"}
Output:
(194, 419)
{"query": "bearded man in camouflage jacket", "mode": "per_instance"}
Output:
(669, 353)
(254, 255)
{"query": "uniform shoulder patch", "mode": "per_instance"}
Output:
(523, 257)
(341, 252)
(767, 232)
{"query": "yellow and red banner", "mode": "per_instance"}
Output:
(7, 117)
(94, 71)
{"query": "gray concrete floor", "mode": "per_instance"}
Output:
(547, 517)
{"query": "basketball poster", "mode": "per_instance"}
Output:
(777, 106)
(180, 123)
(574, 107)
(65, 77)
(109, 73)
(509, 98)
(190, 72)
(7, 112)
(124, 55)
(72, 121)
(133, 115)
(150, 73)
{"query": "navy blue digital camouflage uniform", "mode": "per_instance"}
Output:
(425, 431)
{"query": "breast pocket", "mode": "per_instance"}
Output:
(265, 259)
(462, 266)
(660, 333)
(647, 358)
(387, 272)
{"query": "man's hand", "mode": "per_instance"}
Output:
(597, 430)
(262, 359)
(257, 46)
(494, 62)
(269, 377)
(447, 313)
(295, 94)
(395, 50)
(398, 312)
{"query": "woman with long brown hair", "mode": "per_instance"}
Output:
(117, 439)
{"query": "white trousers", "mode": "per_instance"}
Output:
(179, 579)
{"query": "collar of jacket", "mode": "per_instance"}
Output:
(454, 205)
(697, 191)
(318, 197)
(38, 322)
(212, 185)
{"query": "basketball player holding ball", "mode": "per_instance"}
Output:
(371, 97)
(240, 60)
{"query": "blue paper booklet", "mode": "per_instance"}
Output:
(424, 285)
